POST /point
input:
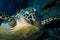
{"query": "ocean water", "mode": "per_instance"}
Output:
(30, 28)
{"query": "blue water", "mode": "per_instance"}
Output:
(10, 7)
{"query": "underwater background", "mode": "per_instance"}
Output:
(45, 9)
